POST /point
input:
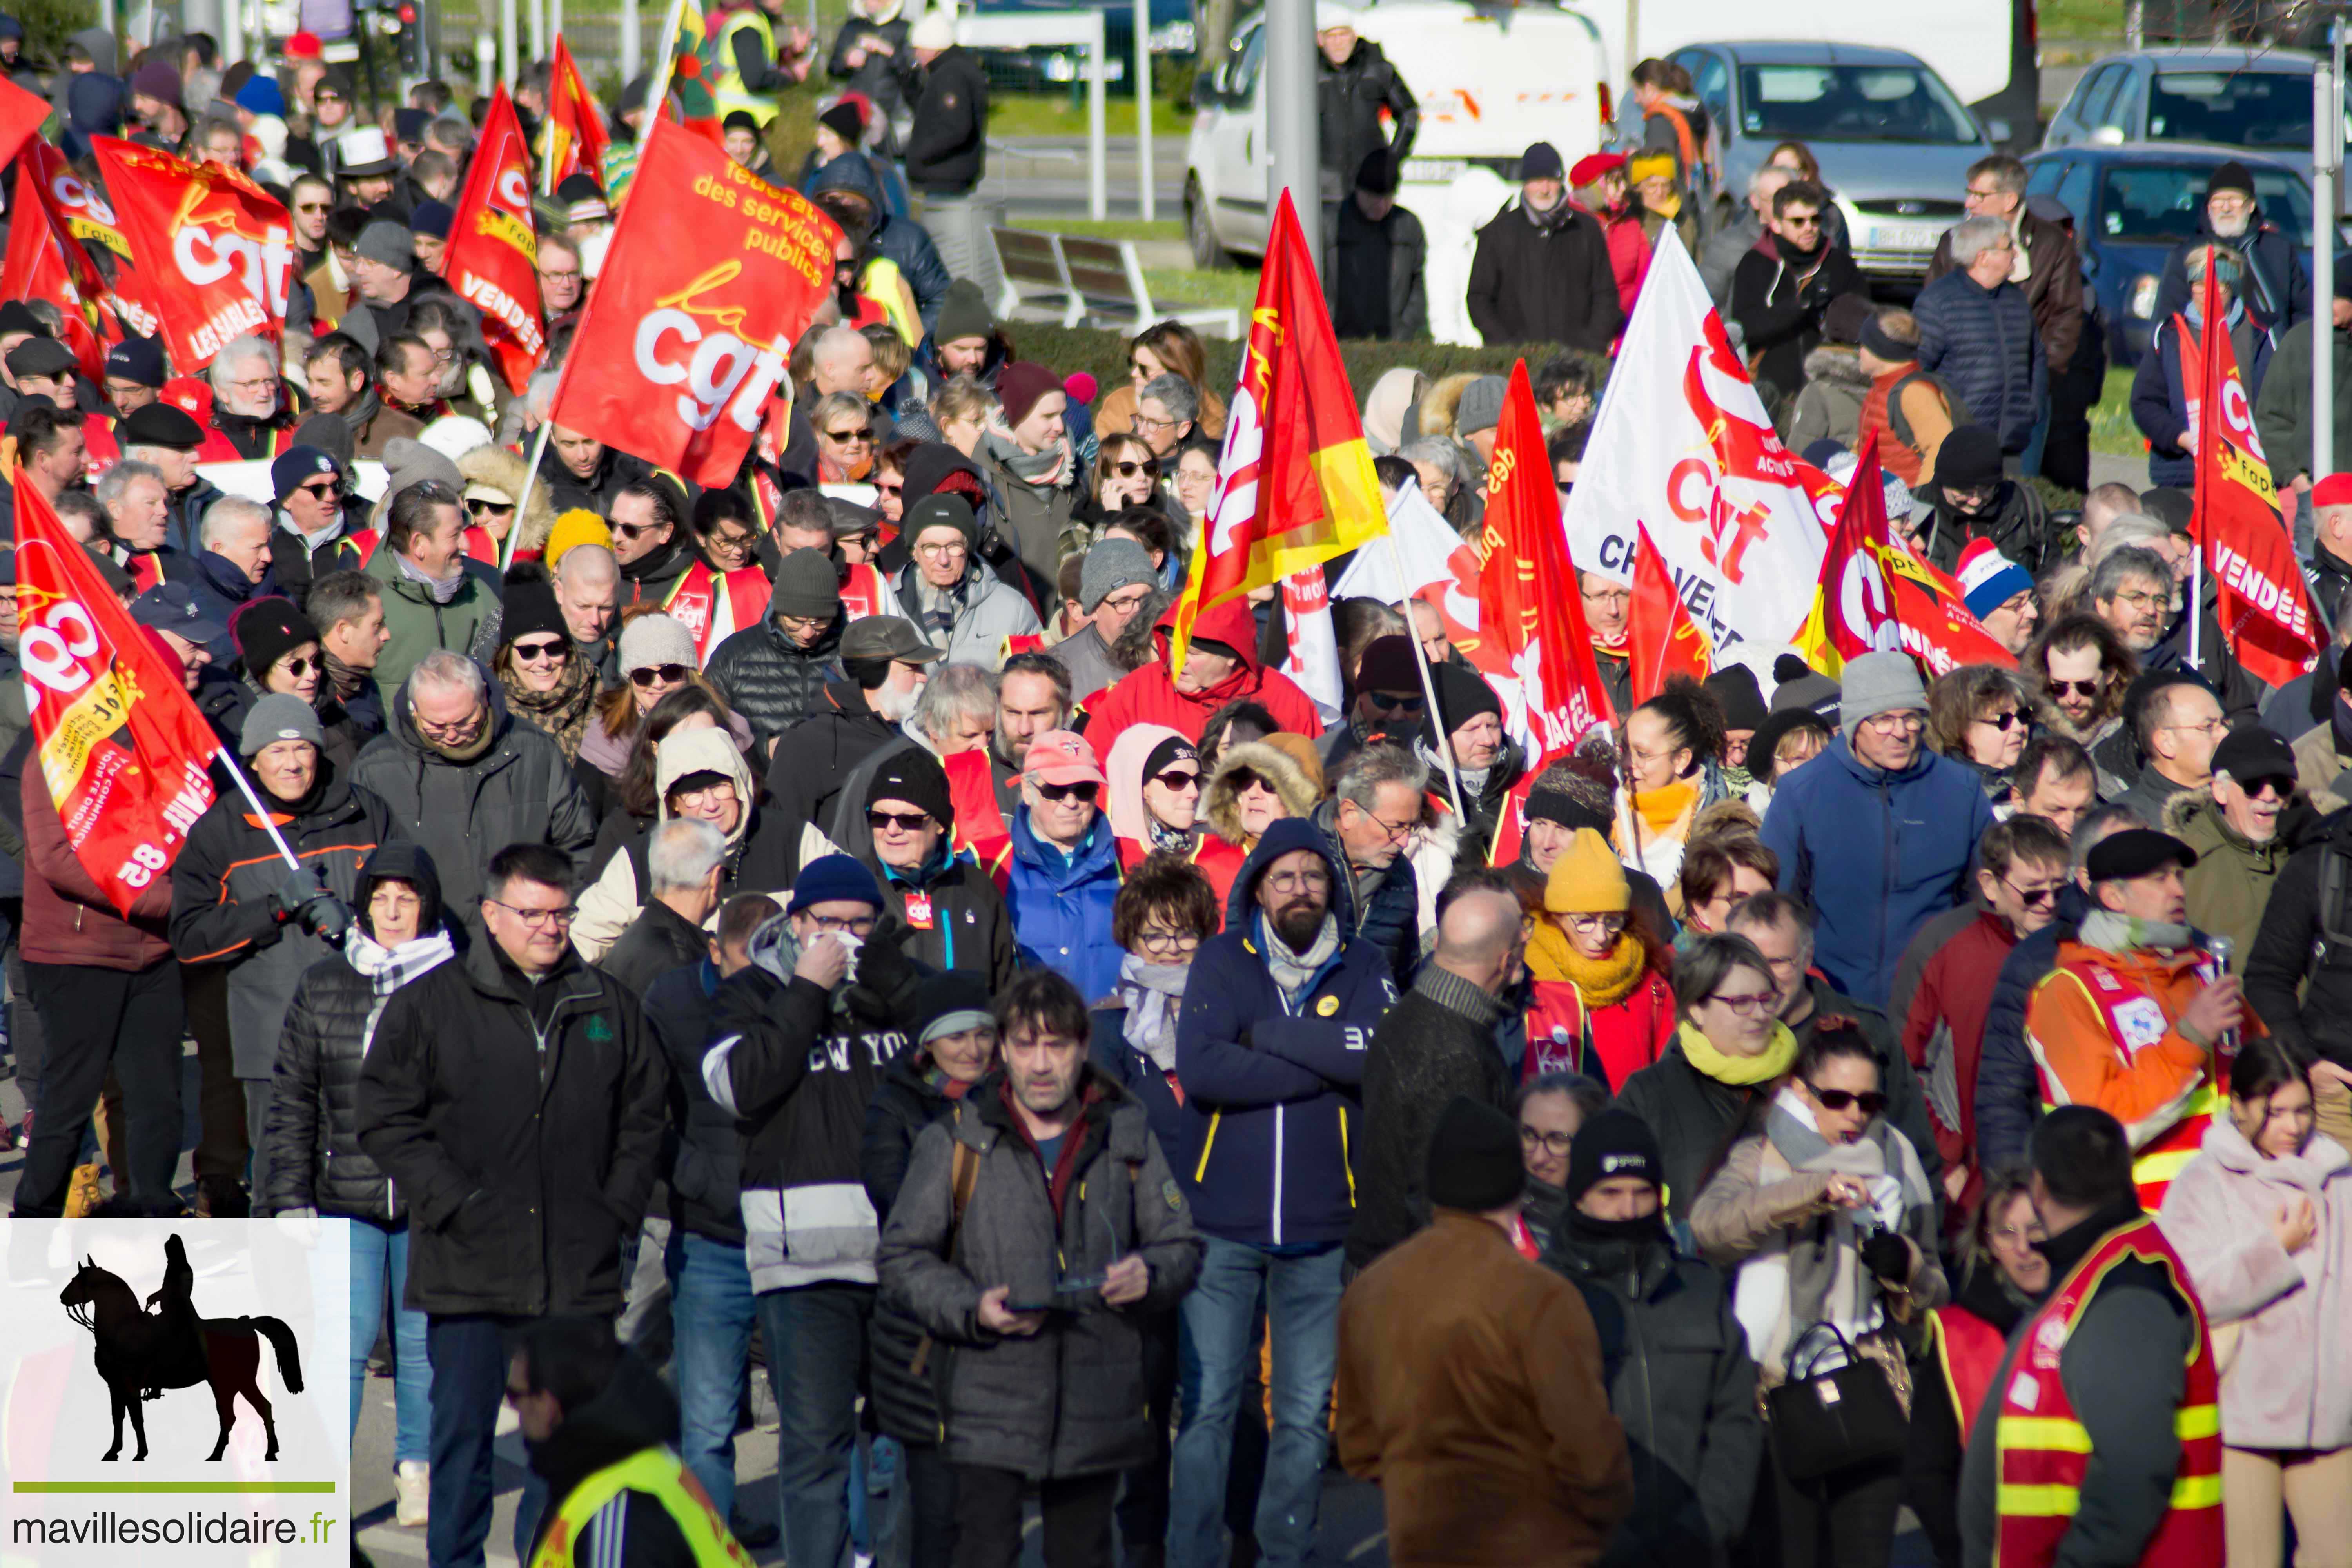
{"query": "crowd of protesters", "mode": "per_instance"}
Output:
(812, 925)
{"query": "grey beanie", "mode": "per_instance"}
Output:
(1481, 407)
(1879, 683)
(657, 639)
(806, 585)
(1113, 564)
(408, 461)
(388, 245)
(278, 717)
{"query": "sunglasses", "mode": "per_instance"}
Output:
(2090, 687)
(1870, 1100)
(310, 206)
(492, 508)
(2030, 898)
(1084, 791)
(1397, 702)
(1129, 468)
(904, 821)
(2002, 720)
(666, 674)
(1177, 779)
(325, 490)
(844, 437)
(300, 666)
(631, 529)
(538, 652)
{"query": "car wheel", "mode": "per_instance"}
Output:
(1208, 254)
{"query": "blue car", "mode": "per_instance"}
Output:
(2134, 202)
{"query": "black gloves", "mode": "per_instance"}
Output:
(1886, 1257)
(298, 890)
(301, 900)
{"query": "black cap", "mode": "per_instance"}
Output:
(41, 356)
(1474, 1158)
(2254, 753)
(2229, 176)
(915, 777)
(171, 607)
(160, 424)
(15, 316)
(2137, 852)
(1541, 161)
(139, 359)
(1614, 1144)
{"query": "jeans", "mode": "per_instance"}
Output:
(95, 1018)
(1302, 1305)
(257, 1116)
(470, 1384)
(816, 1336)
(1074, 1514)
(380, 1273)
(712, 1308)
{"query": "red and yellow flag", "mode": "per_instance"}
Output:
(2264, 613)
(216, 251)
(122, 750)
(575, 126)
(44, 262)
(1661, 640)
(493, 255)
(1295, 483)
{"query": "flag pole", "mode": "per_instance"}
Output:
(658, 100)
(261, 813)
(529, 482)
(1428, 682)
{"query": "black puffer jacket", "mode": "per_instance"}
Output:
(771, 679)
(1349, 99)
(1693, 1117)
(526, 1135)
(705, 1186)
(905, 1405)
(2307, 932)
(313, 1132)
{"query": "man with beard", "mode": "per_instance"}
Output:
(1270, 1048)
(1033, 696)
(883, 665)
(250, 417)
(1782, 288)
(1541, 272)
(2276, 289)
(582, 472)
(649, 539)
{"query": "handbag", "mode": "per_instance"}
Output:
(1824, 1422)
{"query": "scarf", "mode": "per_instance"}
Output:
(1600, 982)
(1154, 995)
(2112, 932)
(935, 608)
(1739, 1072)
(1293, 971)
(1177, 839)
(345, 680)
(561, 712)
(1547, 221)
(1047, 470)
(442, 592)
(388, 969)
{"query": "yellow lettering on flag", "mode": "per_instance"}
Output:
(91, 718)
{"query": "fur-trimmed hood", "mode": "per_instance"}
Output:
(1442, 401)
(1839, 365)
(1220, 802)
(497, 468)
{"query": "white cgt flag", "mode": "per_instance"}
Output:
(1682, 446)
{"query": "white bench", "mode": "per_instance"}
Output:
(1097, 282)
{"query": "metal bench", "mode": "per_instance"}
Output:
(1099, 282)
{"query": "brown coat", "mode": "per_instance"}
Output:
(1470, 1389)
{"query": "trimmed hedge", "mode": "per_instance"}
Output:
(1104, 355)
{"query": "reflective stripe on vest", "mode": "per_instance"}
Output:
(2165, 1154)
(659, 1473)
(726, 88)
(2043, 1452)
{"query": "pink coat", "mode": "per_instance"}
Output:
(2288, 1383)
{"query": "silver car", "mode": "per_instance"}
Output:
(1894, 142)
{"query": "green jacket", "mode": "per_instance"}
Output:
(2283, 408)
(467, 624)
(2230, 886)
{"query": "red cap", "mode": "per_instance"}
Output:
(1592, 165)
(304, 46)
(1061, 757)
(2335, 489)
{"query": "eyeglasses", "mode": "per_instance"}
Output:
(2002, 720)
(1396, 701)
(1127, 468)
(2019, 1234)
(1903, 720)
(719, 793)
(540, 919)
(1391, 831)
(539, 652)
(1141, 422)
(1872, 1101)
(2142, 601)
(1167, 941)
(1748, 1007)
(1177, 779)
(480, 508)
(1977, 195)
(255, 383)
(2217, 725)
(1299, 881)
(898, 821)
(1609, 925)
(1084, 790)
(1556, 1145)
(855, 925)
(2090, 687)
(730, 540)
(458, 730)
(664, 674)
(1128, 601)
(943, 552)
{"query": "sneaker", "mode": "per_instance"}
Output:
(412, 1484)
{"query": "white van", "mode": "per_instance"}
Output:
(1490, 79)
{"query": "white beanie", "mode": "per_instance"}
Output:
(454, 434)
(657, 639)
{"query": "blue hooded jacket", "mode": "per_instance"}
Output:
(1061, 905)
(1272, 1090)
(904, 242)
(1876, 854)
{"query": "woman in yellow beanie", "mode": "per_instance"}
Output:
(1601, 1005)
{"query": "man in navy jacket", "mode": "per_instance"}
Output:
(1270, 1050)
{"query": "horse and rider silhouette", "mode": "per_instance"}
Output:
(141, 1353)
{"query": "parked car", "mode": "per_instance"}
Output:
(1894, 143)
(2254, 100)
(2132, 204)
(1042, 68)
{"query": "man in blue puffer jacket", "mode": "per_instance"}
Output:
(1877, 832)
(1270, 1049)
(1976, 332)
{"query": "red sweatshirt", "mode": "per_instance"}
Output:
(1149, 696)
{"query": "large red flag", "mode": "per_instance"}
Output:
(81, 213)
(2265, 614)
(21, 114)
(575, 126)
(1661, 641)
(43, 262)
(1295, 482)
(216, 251)
(1527, 600)
(122, 749)
(493, 256)
(685, 350)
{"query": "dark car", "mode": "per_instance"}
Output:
(1044, 67)
(2132, 204)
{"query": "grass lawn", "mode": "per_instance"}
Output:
(1233, 288)
(1104, 228)
(2081, 18)
(1059, 114)
(2111, 430)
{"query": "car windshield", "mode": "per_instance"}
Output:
(2162, 202)
(1850, 103)
(2232, 109)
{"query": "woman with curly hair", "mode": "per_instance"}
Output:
(1672, 744)
(1979, 716)
(546, 680)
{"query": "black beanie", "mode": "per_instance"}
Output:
(1462, 695)
(1474, 1158)
(1970, 455)
(267, 630)
(915, 777)
(1614, 1144)
(530, 610)
(1742, 700)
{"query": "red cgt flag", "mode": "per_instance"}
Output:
(2264, 612)
(1528, 601)
(575, 126)
(44, 262)
(1661, 640)
(21, 114)
(216, 251)
(688, 350)
(80, 212)
(122, 749)
(493, 255)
